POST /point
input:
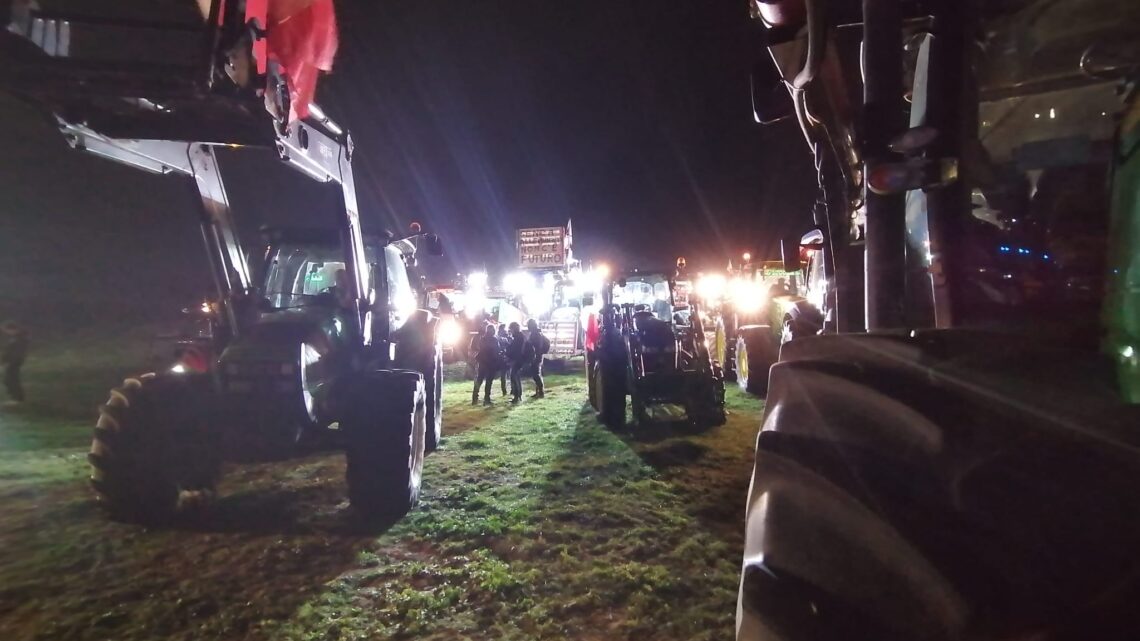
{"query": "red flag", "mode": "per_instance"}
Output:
(302, 39)
(593, 332)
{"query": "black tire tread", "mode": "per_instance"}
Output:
(154, 451)
(381, 408)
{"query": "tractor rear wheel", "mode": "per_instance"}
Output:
(384, 424)
(433, 391)
(755, 355)
(156, 449)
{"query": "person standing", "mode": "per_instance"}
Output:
(539, 346)
(504, 366)
(519, 356)
(487, 363)
(13, 352)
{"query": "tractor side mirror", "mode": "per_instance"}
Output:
(771, 101)
(433, 245)
(790, 254)
(587, 300)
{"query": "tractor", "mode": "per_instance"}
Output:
(329, 336)
(761, 306)
(649, 350)
(925, 470)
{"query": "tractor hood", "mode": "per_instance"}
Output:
(278, 335)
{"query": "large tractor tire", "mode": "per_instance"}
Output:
(156, 450)
(384, 417)
(609, 390)
(433, 390)
(755, 355)
(941, 471)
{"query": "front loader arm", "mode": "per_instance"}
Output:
(167, 116)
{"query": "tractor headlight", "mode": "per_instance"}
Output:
(711, 287)
(748, 297)
(450, 332)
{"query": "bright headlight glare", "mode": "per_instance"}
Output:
(477, 280)
(712, 286)
(747, 296)
(519, 283)
(450, 332)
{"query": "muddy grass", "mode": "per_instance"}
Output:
(535, 523)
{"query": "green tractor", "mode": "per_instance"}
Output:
(653, 352)
(328, 336)
(762, 307)
(927, 468)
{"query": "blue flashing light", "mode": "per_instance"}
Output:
(1023, 251)
(1005, 249)
(1045, 256)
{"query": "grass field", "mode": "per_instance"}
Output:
(535, 523)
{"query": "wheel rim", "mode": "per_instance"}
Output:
(415, 439)
(787, 334)
(742, 361)
(310, 359)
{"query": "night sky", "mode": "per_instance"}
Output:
(631, 118)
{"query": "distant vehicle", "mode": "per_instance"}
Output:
(763, 305)
(642, 353)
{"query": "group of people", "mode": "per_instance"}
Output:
(501, 350)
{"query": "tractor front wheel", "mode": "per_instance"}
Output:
(433, 391)
(384, 417)
(156, 449)
(591, 386)
(755, 355)
(609, 390)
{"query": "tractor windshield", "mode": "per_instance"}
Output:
(297, 274)
(648, 292)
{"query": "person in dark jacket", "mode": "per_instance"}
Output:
(13, 352)
(504, 366)
(539, 346)
(488, 360)
(519, 356)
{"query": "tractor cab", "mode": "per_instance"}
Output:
(305, 269)
(646, 300)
